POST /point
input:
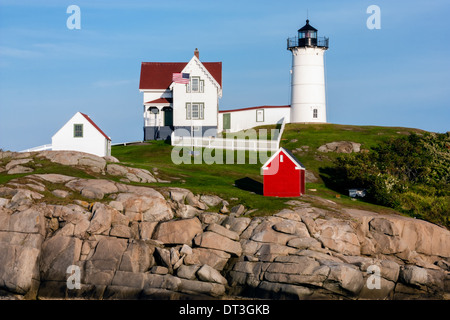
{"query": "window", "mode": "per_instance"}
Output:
(78, 131)
(315, 113)
(195, 112)
(260, 115)
(226, 121)
(196, 84)
(281, 158)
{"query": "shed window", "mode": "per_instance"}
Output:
(78, 130)
(315, 113)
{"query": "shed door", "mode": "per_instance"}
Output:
(226, 121)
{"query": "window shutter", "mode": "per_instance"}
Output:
(188, 111)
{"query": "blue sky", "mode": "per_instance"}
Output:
(398, 75)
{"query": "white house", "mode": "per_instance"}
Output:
(80, 133)
(171, 106)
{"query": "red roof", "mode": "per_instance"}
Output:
(95, 126)
(158, 75)
(160, 100)
(253, 108)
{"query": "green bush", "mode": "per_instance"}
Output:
(410, 174)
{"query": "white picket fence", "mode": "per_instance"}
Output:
(229, 144)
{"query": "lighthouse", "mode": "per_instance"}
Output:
(308, 102)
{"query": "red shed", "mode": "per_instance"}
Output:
(284, 175)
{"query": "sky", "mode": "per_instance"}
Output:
(398, 75)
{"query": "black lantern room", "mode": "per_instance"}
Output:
(307, 37)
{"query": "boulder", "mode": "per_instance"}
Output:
(14, 163)
(237, 210)
(384, 226)
(73, 158)
(58, 253)
(101, 221)
(188, 272)
(209, 274)
(193, 288)
(237, 225)
(93, 185)
(107, 256)
(420, 277)
(116, 170)
(19, 169)
(162, 256)
(346, 277)
(223, 231)
(212, 257)
(292, 227)
(340, 147)
(216, 241)
(145, 207)
(159, 270)
(211, 200)
(186, 211)
(266, 233)
(178, 231)
(304, 243)
(53, 177)
(339, 236)
(21, 237)
(111, 159)
(60, 193)
(146, 229)
(211, 217)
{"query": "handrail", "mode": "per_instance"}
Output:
(321, 42)
(39, 148)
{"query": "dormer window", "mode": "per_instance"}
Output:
(196, 84)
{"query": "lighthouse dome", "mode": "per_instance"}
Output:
(307, 27)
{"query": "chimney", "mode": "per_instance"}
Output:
(197, 53)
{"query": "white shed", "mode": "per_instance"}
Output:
(80, 133)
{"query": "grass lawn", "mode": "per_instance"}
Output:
(243, 181)
(238, 183)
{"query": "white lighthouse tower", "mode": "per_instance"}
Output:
(308, 103)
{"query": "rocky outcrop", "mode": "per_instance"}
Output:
(340, 147)
(135, 242)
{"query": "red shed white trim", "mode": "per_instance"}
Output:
(284, 175)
